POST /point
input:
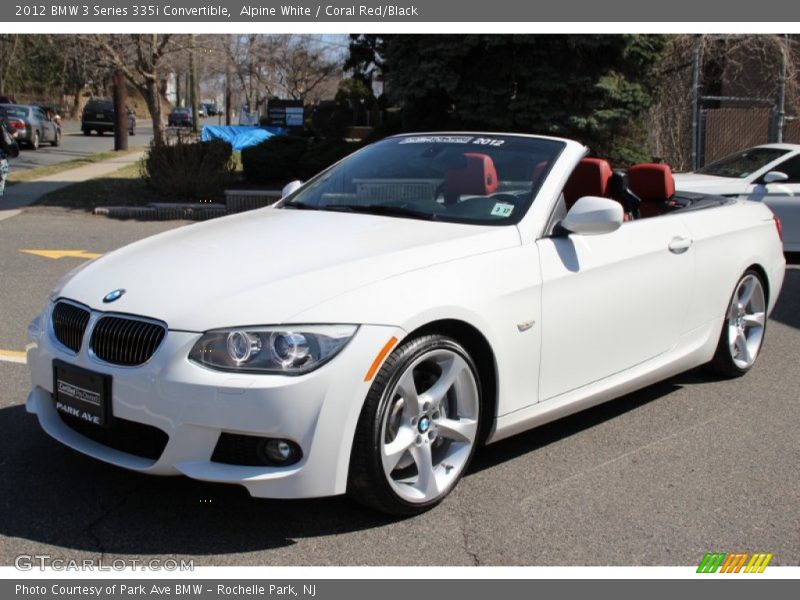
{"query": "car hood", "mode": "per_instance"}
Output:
(697, 182)
(264, 266)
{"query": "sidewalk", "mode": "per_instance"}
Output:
(26, 193)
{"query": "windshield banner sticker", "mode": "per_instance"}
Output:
(438, 139)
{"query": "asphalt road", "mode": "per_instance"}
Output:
(658, 477)
(76, 145)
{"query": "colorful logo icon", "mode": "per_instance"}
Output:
(734, 562)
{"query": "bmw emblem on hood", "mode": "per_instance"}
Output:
(113, 296)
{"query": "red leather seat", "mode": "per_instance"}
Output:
(590, 178)
(477, 178)
(654, 184)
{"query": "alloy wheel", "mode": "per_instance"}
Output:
(430, 425)
(746, 320)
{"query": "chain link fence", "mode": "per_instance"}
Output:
(717, 94)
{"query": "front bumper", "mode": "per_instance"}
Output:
(193, 405)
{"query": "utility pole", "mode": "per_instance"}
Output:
(120, 112)
(193, 84)
(698, 44)
(228, 83)
(781, 122)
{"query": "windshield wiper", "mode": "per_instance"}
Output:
(382, 210)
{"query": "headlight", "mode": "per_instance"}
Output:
(290, 350)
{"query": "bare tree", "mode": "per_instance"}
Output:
(265, 66)
(139, 58)
(8, 50)
(301, 68)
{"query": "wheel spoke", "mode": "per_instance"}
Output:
(450, 372)
(747, 289)
(741, 344)
(426, 482)
(394, 450)
(754, 319)
(458, 430)
(408, 390)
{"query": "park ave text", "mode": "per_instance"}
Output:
(167, 589)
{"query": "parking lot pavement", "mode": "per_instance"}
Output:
(658, 477)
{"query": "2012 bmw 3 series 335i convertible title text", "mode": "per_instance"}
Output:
(426, 295)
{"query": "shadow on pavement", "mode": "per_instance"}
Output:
(57, 496)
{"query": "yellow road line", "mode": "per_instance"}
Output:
(12, 356)
(56, 254)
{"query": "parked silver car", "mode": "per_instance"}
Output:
(30, 125)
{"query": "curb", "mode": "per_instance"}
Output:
(186, 212)
(236, 201)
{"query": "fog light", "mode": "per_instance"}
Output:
(279, 451)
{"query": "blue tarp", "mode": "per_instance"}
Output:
(239, 136)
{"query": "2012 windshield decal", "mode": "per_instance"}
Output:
(452, 139)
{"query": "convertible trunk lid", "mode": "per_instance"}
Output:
(263, 267)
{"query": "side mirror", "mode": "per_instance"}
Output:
(775, 176)
(593, 215)
(290, 188)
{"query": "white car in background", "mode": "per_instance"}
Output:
(768, 174)
(427, 294)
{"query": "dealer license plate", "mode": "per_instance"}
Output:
(81, 393)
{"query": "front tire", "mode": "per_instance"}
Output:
(744, 327)
(57, 139)
(418, 429)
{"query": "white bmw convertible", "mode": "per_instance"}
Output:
(426, 295)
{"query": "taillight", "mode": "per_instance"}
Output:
(778, 226)
(16, 124)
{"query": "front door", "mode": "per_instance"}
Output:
(612, 301)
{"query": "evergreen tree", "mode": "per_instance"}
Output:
(593, 88)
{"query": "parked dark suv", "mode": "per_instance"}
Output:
(98, 115)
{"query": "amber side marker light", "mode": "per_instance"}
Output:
(379, 358)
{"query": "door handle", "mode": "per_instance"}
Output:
(679, 245)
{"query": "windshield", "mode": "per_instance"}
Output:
(463, 178)
(742, 164)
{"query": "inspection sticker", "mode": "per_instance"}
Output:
(501, 209)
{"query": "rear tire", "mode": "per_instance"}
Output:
(87, 132)
(418, 428)
(35, 141)
(744, 327)
(57, 140)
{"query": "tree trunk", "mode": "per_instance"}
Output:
(153, 99)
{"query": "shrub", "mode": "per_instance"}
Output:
(274, 160)
(279, 160)
(322, 154)
(198, 170)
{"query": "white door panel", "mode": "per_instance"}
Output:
(612, 301)
(784, 200)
